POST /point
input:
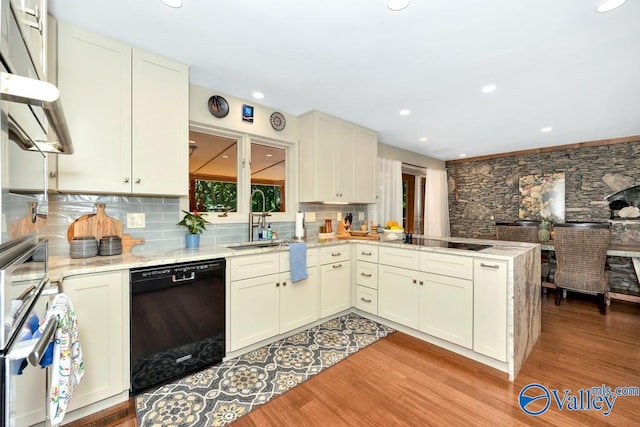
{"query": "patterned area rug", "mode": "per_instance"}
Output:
(221, 394)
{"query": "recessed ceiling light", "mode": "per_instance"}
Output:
(489, 88)
(225, 157)
(463, 155)
(423, 139)
(172, 3)
(258, 95)
(269, 155)
(397, 5)
(609, 5)
(191, 142)
(405, 112)
(547, 129)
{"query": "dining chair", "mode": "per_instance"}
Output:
(581, 256)
(517, 232)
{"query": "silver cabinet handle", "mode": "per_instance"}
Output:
(336, 266)
(482, 264)
(365, 274)
(364, 299)
(336, 253)
(138, 181)
(366, 253)
(53, 174)
(126, 180)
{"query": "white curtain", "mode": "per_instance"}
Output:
(436, 205)
(388, 206)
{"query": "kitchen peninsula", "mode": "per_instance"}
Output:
(477, 298)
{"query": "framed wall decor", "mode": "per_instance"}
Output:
(247, 113)
(542, 197)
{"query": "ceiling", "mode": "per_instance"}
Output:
(555, 63)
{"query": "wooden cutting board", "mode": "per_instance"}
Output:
(30, 223)
(367, 237)
(98, 225)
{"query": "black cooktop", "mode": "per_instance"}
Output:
(418, 241)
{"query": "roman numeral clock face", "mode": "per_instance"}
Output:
(278, 121)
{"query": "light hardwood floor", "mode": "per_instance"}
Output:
(402, 381)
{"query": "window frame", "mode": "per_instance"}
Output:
(418, 196)
(244, 176)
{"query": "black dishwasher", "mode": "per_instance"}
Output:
(177, 320)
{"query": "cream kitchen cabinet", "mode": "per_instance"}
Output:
(367, 278)
(128, 116)
(337, 160)
(490, 308)
(335, 279)
(101, 302)
(264, 301)
(446, 297)
(398, 295)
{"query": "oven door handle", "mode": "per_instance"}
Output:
(175, 279)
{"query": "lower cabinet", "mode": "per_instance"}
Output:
(446, 308)
(335, 280)
(101, 302)
(490, 308)
(267, 305)
(398, 294)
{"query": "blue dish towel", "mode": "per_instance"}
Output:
(298, 260)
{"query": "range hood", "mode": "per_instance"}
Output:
(46, 132)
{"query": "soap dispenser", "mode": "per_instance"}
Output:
(269, 235)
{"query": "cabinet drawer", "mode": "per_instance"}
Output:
(403, 258)
(447, 265)
(367, 253)
(285, 259)
(367, 299)
(367, 274)
(253, 266)
(333, 254)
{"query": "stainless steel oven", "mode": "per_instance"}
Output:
(177, 320)
(24, 286)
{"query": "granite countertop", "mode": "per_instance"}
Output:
(64, 266)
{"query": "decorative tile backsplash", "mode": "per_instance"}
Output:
(161, 216)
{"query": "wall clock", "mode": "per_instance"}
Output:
(218, 106)
(278, 121)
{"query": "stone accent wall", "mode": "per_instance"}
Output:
(484, 192)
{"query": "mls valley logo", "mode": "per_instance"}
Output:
(535, 399)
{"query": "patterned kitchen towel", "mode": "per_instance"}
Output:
(67, 367)
(298, 260)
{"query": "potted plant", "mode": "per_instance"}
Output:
(195, 224)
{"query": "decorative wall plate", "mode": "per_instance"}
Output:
(278, 121)
(218, 106)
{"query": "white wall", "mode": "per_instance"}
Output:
(261, 126)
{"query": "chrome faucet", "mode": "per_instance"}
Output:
(263, 215)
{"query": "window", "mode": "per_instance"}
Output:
(413, 189)
(225, 168)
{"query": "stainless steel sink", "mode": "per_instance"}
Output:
(256, 245)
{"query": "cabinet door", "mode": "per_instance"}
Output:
(365, 168)
(160, 125)
(325, 160)
(398, 295)
(345, 158)
(298, 301)
(94, 78)
(490, 308)
(446, 308)
(335, 288)
(254, 310)
(102, 309)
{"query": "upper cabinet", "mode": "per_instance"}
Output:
(337, 160)
(128, 114)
